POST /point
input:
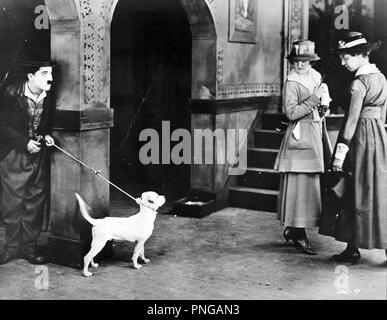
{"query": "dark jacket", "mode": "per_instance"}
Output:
(14, 119)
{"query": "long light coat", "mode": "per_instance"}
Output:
(304, 154)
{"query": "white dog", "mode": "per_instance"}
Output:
(137, 228)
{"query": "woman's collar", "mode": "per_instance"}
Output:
(367, 68)
(309, 80)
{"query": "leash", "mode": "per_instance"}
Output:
(97, 173)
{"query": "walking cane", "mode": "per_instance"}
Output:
(97, 173)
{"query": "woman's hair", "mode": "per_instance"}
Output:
(292, 61)
(363, 54)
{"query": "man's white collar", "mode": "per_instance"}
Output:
(368, 68)
(29, 94)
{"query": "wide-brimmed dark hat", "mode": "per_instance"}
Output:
(303, 50)
(355, 43)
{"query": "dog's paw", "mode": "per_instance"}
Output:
(146, 260)
(87, 274)
(137, 266)
(94, 265)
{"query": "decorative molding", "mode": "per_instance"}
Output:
(220, 65)
(227, 106)
(250, 89)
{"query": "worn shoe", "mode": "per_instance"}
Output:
(305, 247)
(290, 234)
(7, 256)
(34, 258)
(348, 255)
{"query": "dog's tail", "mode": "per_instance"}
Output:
(84, 208)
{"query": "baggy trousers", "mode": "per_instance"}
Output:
(24, 181)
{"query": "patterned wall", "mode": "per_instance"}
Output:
(95, 18)
(249, 69)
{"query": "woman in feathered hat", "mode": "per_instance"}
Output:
(301, 157)
(361, 151)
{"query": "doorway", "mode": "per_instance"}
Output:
(151, 48)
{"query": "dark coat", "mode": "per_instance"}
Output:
(14, 119)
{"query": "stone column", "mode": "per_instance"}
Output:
(80, 45)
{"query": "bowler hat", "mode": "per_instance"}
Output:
(36, 63)
(355, 43)
(303, 50)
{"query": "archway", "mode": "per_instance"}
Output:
(151, 73)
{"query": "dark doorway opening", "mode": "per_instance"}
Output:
(151, 47)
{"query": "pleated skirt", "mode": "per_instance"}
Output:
(299, 202)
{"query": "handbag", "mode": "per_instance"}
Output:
(327, 146)
(335, 181)
(333, 191)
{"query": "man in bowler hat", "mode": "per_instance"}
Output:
(25, 124)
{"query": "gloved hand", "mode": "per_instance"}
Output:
(49, 140)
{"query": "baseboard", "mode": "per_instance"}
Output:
(70, 253)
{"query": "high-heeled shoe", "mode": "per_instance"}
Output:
(348, 255)
(290, 234)
(305, 247)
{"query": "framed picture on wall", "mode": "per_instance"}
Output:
(243, 21)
